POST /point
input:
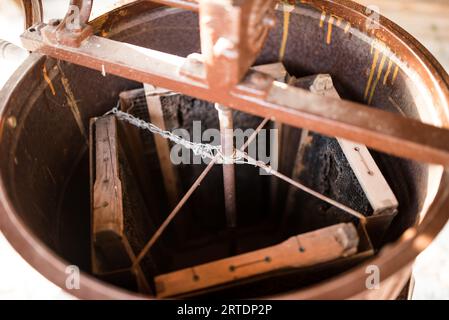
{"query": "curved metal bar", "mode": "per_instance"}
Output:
(33, 12)
(74, 28)
(84, 9)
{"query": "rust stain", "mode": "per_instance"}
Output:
(329, 30)
(48, 80)
(284, 34)
(322, 19)
(379, 73)
(371, 75)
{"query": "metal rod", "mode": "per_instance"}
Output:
(227, 148)
(186, 197)
(33, 12)
(174, 212)
(304, 188)
(11, 52)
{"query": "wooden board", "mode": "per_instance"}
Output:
(169, 173)
(120, 221)
(375, 188)
(371, 179)
(313, 248)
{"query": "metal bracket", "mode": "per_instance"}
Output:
(74, 28)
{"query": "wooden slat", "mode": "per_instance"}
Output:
(304, 250)
(275, 70)
(371, 179)
(118, 226)
(107, 205)
(279, 73)
(169, 174)
(368, 174)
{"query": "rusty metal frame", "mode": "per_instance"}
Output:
(260, 95)
(74, 28)
(248, 91)
(33, 12)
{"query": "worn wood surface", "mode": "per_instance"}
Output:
(118, 222)
(307, 249)
(371, 179)
(169, 174)
(107, 200)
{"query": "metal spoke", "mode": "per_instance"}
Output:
(186, 197)
(304, 188)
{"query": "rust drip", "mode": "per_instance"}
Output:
(72, 103)
(322, 19)
(379, 73)
(286, 25)
(371, 75)
(48, 80)
(329, 30)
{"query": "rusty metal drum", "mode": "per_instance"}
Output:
(46, 106)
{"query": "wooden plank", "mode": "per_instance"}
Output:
(135, 102)
(108, 209)
(119, 225)
(279, 73)
(317, 247)
(169, 174)
(371, 179)
(275, 70)
(368, 174)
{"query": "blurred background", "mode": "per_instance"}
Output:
(426, 20)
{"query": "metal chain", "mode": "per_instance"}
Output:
(216, 156)
(206, 151)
